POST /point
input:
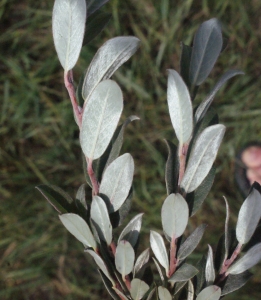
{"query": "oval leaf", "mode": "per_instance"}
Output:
(249, 216)
(138, 289)
(211, 292)
(159, 249)
(180, 107)
(131, 232)
(79, 228)
(174, 215)
(101, 220)
(202, 157)
(184, 273)
(100, 118)
(164, 294)
(124, 258)
(69, 18)
(207, 46)
(250, 259)
(235, 282)
(142, 259)
(117, 180)
(210, 270)
(107, 60)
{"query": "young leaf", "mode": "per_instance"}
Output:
(211, 292)
(235, 282)
(203, 107)
(79, 228)
(158, 269)
(138, 289)
(159, 249)
(164, 294)
(174, 215)
(191, 242)
(101, 220)
(190, 291)
(210, 270)
(250, 259)
(131, 232)
(248, 217)
(117, 180)
(80, 196)
(100, 117)
(107, 60)
(93, 5)
(141, 260)
(184, 273)
(69, 18)
(207, 45)
(100, 263)
(124, 258)
(202, 157)
(185, 63)
(180, 107)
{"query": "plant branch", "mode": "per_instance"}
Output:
(183, 149)
(173, 260)
(94, 181)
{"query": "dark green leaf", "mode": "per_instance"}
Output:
(172, 168)
(108, 286)
(178, 286)
(235, 282)
(93, 5)
(184, 273)
(199, 279)
(80, 202)
(185, 63)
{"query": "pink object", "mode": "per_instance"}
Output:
(251, 157)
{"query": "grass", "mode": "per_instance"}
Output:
(39, 139)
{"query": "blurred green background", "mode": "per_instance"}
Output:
(39, 138)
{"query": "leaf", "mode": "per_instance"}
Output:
(58, 198)
(180, 107)
(199, 280)
(107, 60)
(93, 5)
(172, 168)
(69, 18)
(184, 273)
(79, 228)
(185, 63)
(124, 258)
(158, 269)
(190, 291)
(206, 48)
(80, 196)
(196, 198)
(159, 249)
(191, 242)
(211, 292)
(226, 241)
(122, 296)
(108, 286)
(164, 294)
(117, 180)
(248, 217)
(100, 118)
(100, 263)
(250, 259)
(178, 287)
(95, 25)
(210, 270)
(141, 260)
(131, 232)
(235, 282)
(203, 107)
(151, 294)
(101, 220)
(174, 215)
(202, 157)
(138, 289)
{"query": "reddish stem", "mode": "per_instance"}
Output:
(127, 282)
(113, 248)
(173, 260)
(183, 149)
(95, 184)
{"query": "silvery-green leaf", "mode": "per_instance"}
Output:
(190, 291)
(180, 107)
(93, 5)
(202, 157)
(101, 219)
(211, 292)
(191, 242)
(151, 294)
(108, 286)
(138, 288)
(164, 294)
(249, 216)
(235, 282)
(69, 18)
(159, 249)
(79, 228)
(184, 273)
(131, 232)
(250, 259)
(141, 260)
(100, 118)
(200, 277)
(80, 196)
(206, 48)
(100, 263)
(107, 60)
(174, 215)
(203, 107)
(210, 270)
(124, 258)
(117, 180)
(226, 229)
(158, 269)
